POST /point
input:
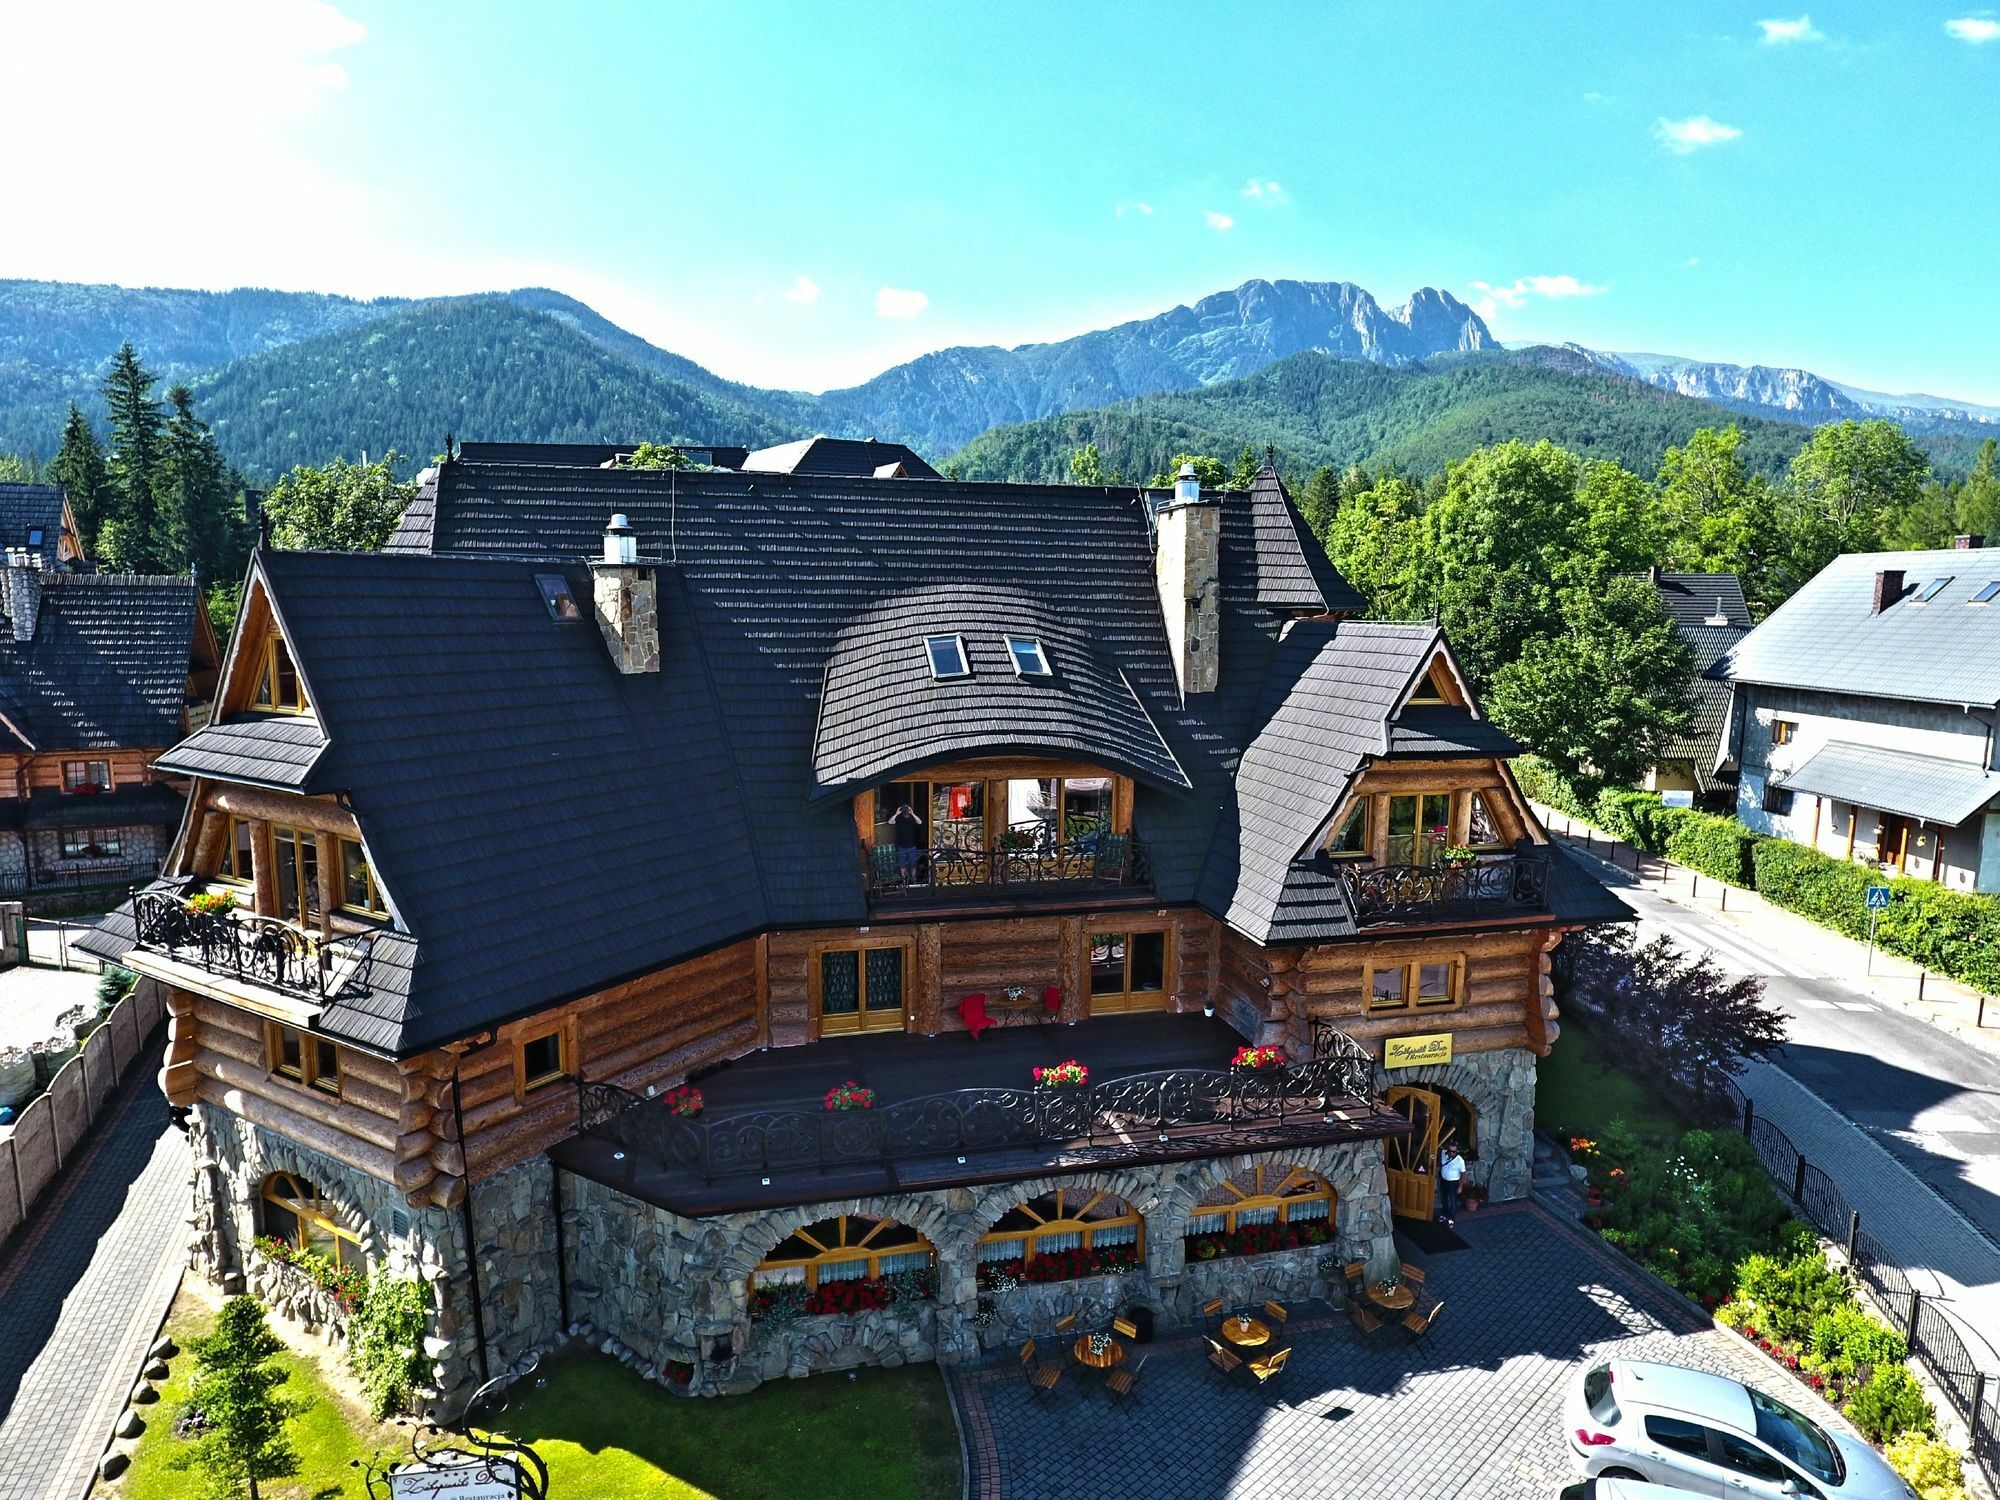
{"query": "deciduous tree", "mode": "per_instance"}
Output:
(338, 507)
(1086, 466)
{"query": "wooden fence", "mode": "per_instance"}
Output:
(50, 1131)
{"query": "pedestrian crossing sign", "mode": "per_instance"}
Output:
(1878, 898)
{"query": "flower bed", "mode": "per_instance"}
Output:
(343, 1283)
(781, 1302)
(1258, 1239)
(1057, 1265)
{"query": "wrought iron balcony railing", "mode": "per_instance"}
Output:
(241, 945)
(1124, 1118)
(1022, 866)
(1428, 892)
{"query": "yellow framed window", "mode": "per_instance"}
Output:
(86, 775)
(858, 989)
(1349, 839)
(295, 863)
(1433, 982)
(543, 1056)
(1419, 828)
(1072, 1232)
(278, 687)
(848, 1247)
(358, 891)
(302, 1056)
(1269, 1207)
(1128, 971)
(239, 852)
(294, 1212)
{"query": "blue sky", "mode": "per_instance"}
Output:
(804, 194)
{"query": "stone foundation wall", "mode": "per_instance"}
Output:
(1500, 1088)
(659, 1289)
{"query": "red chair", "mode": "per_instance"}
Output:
(972, 1011)
(1052, 999)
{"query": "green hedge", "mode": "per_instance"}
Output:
(1541, 782)
(1717, 846)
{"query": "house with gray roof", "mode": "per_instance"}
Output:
(1710, 614)
(1863, 715)
(647, 897)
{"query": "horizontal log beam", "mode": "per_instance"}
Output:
(322, 815)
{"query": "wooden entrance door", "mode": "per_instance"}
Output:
(1412, 1158)
(1895, 844)
(859, 989)
(1128, 972)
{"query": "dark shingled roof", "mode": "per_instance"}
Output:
(1709, 613)
(545, 826)
(848, 458)
(29, 508)
(1440, 730)
(275, 750)
(1292, 569)
(121, 807)
(108, 664)
(1703, 599)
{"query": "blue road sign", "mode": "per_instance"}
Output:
(1878, 898)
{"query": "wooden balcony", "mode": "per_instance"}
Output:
(949, 1111)
(1490, 886)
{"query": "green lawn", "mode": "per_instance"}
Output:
(1577, 1092)
(609, 1435)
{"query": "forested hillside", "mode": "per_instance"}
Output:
(478, 367)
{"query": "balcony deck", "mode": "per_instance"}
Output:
(1135, 1062)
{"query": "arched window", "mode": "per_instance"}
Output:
(294, 1212)
(1070, 1232)
(845, 1264)
(1266, 1208)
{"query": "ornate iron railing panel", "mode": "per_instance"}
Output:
(235, 944)
(1190, 1105)
(1404, 893)
(945, 873)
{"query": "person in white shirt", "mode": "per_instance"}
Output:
(1451, 1169)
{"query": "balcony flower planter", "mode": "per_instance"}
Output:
(847, 1096)
(684, 1101)
(788, 1301)
(1057, 1265)
(1254, 1059)
(1063, 1075)
(1258, 1239)
(212, 903)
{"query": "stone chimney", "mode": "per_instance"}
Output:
(24, 593)
(628, 600)
(1970, 543)
(1187, 568)
(1888, 588)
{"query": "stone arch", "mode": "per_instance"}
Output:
(1498, 1088)
(749, 1243)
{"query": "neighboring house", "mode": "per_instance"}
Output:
(596, 783)
(1709, 613)
(99, 672)
(36, 519)
(827, 456)
(1863, 715)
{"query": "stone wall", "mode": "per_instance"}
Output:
(659, 1289)
(1500, 1088)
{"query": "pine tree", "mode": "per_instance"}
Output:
(193, 493)
(131, 537)
(239, 1391)
(79, 469)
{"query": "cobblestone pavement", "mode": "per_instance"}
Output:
(83, 1288)
(1470, 1413)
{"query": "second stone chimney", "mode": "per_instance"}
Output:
(627, 598)
(1888, 588)
(1187, 566)
(24, 594)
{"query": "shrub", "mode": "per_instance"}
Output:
(1932, 1468)
(1692, 1211)
(1847, 1340)
(1716, 846)
(1891, 1404)
(387, 1348)
(1792, 1295)
(1541, 782)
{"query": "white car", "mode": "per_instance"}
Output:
(1621, 1489)
(1704, 1435)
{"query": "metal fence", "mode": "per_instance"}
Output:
(1934, 1342)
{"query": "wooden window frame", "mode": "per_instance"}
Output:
(73, 788)
(301, 840)
(1500, 845)
(83, 843)
(310, 1074)
(1783, 730)
(563, 1029)
(907, 942)
(1264, 1199)
(377, 907)
(1363, 809)
(1411, 969)
(1129, 931)
(843, 1253)
(1068, 1223)
(225, 868)
(314, 1210)
(267, 678)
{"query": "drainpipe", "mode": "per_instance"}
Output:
(562, 1255)
(471, 1244)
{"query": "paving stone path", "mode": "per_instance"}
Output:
(1470, 1413)
(83, 1288)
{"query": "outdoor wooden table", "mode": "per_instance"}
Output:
(1114, 1353)
(1246, 1332)
(1395, 1298)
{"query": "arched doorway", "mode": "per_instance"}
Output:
(1412, 1159)
(1458, 1123)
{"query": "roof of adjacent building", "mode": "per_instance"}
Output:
(847, 458)
(31, 520)
(107, 666)
(1829, 637)
(1945, 792)
(545, 826)
(1711, 615)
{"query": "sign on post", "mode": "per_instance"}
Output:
(1878, 898)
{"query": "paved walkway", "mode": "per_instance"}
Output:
(1471, 1413)
(82, 1291)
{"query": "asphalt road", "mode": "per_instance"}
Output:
(1929, 1098)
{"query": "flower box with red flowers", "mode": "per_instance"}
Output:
(1258, 1239)
(850, 1095)
(1258, 1057)
(1062, 1075)
(684, 1101)
(1058, 1265)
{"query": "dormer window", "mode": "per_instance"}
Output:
(947, 656)
(1929, 591)
(1987, 593)
(1029, 658)
(1431, 689)
(278, 687)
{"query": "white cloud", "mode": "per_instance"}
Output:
(895, 302)
(1974, 29)
(804, 290)
(1692, 260)
(1133, 206)
(1266, 192)
(1693, 133)
(1779, 33)
(1523, 289)
(1218, 222)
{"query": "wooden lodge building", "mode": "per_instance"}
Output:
(599, 783)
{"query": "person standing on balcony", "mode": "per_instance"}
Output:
(1451, 1169)
(909, 826)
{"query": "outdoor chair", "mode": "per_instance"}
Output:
(1420, 1321)
(1113, 850)
(1356, 1272)
(1414, 1275)
(1123, 1381)
(1064, 1325)
(1278, 1315)
(1125, 1328)
(1041, 1378)
(1223, 1360)
(1212, 1309)
(1270, 1367)
(972, 1011)
(1360, 1316)
(886, 865)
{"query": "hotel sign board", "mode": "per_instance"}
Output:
(450, 1477)
(1415, 1051)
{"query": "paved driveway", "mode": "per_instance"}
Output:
(1470, 1412)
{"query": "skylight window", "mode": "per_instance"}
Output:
(1988, 594)
(1930, 591)
(34, 536)
(556, 595)
(947, 656)
(1029, 658)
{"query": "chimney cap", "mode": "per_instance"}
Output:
(619, 524)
